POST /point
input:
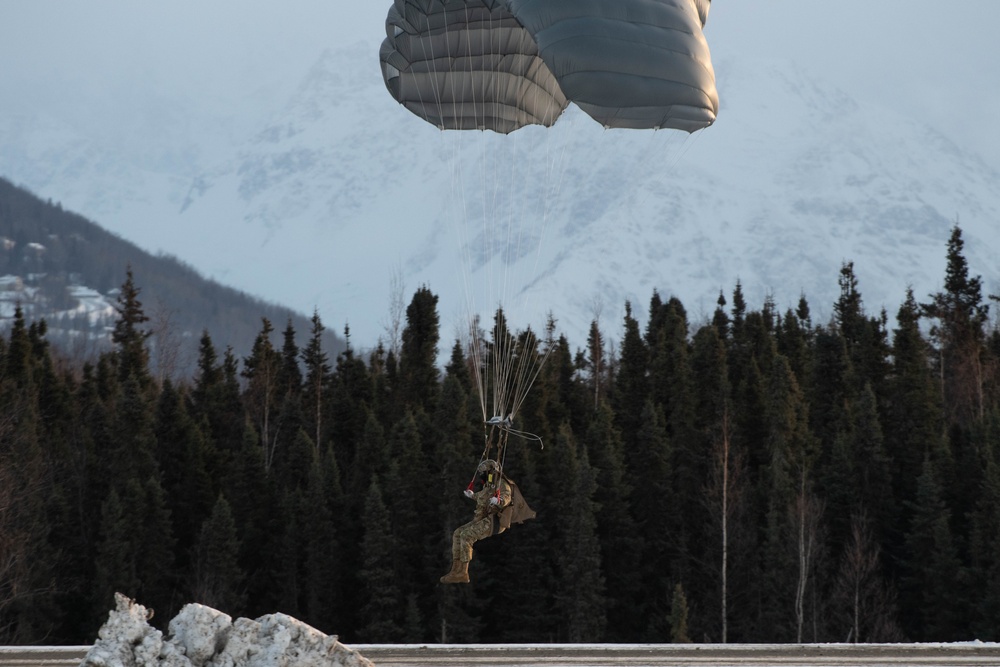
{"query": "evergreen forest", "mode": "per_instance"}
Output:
(755, 477)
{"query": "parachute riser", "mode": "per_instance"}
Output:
(496, 432)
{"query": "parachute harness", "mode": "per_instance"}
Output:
(496, 431)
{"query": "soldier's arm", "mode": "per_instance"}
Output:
(503, 494)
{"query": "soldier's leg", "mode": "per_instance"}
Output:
(466, 535)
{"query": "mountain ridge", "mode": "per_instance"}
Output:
(342, 194)
(58, 266)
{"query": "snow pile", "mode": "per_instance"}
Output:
(203, 637)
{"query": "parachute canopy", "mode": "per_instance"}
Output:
(503, 64)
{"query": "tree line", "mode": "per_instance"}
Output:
(758, 477)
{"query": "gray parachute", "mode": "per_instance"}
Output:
(503, 64)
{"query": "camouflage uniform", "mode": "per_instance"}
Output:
(499, 503)
(484, 523)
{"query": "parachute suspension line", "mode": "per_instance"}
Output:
(458, 183)
(479, 111)
(492, 219)
(496, 434)
(479, 360)
(462, 219)
(506, 367)
(468, 47)
(689, 141)
(427, 48)
(673, 148)
(516, 361)
(451, 79)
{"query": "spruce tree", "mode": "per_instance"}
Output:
(848, 310)
(452, 465)
(720, 319)
(631, 385)
(28, 562)
(671, 379)
(524, 555)
(874, 474)
(679, 617)
(214, 403)
(984, 539)
(412, 529)
(208, 374)
(135, 551)
(597, 363)
(218, 579)
(262, 395)
(371, 457)
(653, 503)
(914, 414)
(129, 336)
(154, 546)
(794, 341)
(284, 554)
(418, 361)
(94, 453)
(618, 534)
(132, 446)
(315, 392)
(750, 428)
(380, 615)
(289, 375)
(933, 584)
(791, 511)
(738, 312)
(832, 386)
(298, 454)
(321, 560)
(960, 316)
(353, 401)
(17, 357)
(115, 563)
(181, 454)
(249, 493)
(580, 586)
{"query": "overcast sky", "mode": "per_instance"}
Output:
(933, 59)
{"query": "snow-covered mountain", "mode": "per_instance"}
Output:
(342, 196)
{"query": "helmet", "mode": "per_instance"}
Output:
(489, 465)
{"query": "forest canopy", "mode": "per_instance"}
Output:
(759, 477)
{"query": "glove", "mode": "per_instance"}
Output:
(468, 493)
(494, 500)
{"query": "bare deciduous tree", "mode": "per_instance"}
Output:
(164, 341)
(261, 371)
(808, 511)
(397, 311)
(725, 497)
(860, 591)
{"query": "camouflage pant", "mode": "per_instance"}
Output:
(466, 535)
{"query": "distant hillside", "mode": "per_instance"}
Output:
(66, 269)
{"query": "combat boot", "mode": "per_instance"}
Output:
(459, 573)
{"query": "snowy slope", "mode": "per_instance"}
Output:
(343, 189)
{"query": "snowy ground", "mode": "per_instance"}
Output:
(612, 655)
(200, 636)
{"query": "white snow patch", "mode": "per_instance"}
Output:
(204, 637)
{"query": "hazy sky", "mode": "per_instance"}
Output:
(933, 59)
